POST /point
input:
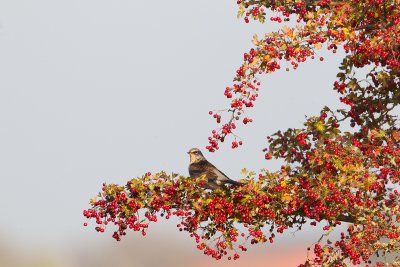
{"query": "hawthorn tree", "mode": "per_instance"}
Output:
(329, 176)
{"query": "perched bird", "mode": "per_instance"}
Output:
(200, 166)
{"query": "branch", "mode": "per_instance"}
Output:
(342, 218)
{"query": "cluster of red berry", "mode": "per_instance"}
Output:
(367, 31)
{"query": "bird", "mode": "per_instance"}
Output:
(200, 166)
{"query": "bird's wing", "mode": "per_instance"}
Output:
(213, 175)
(203, 167)
(217, 174)
(196, 169)
(220, 176)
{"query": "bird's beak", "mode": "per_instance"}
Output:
(188, 152)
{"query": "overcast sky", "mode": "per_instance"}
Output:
(101, 90)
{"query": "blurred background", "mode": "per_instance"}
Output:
(100, 90)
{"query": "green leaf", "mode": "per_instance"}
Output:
(381, 133)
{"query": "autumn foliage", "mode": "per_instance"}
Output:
(330, 176)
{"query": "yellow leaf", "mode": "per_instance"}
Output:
(346, 32)
(285, 29)
(254, 62)
(286, 197)
(310, 15)
(369, 181)
(244, 172)
(241, 10)
(381, 133)
(319, 126)
(93, 200)
(255, 39)
(317, 46)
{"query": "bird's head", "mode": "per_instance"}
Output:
(195, 155)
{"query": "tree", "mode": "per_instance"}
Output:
(330, 176)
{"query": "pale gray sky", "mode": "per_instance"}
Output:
(101, 90)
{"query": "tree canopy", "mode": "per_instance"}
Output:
(330, 176)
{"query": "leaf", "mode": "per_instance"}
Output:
(255, 40)
(196, 206)
(341, 75)
(346, 32)
(285, 29)
(241, 10)
(93, 200)
(381, 133)
(352, 84)
(317, 46)
(369, 181)
(392, 160)
(245, 199)
(254, 62)
(286, 197)
(310, 15)
(244, 172)
(319, 126)
(396, 135)
(337, 163)
(266, 58)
